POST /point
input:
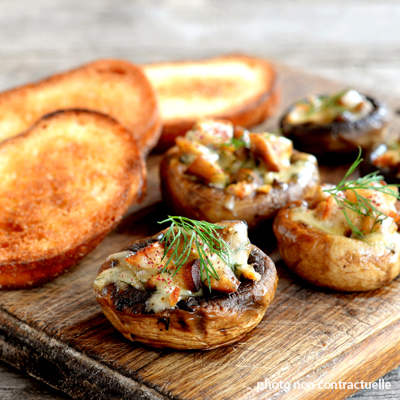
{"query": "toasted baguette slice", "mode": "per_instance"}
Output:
(238, 88)
(66, 182)
(113, 87)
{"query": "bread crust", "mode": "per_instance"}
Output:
(60, 195)
(249, 113)
(116, 88)
(196, 323)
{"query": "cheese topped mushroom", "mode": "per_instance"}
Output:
(195, 285)
(347, 238)
(347, 105)
(237, 161)
(221, 172)
(338, 123)
(172, 272)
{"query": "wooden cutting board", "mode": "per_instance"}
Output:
(58, 334)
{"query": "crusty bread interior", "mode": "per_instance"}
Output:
(65, 184)
(239, 88)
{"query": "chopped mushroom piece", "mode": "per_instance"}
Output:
(208, 171)
(273, 150)
(231, 158)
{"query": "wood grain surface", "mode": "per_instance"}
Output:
(57, 333)
(354, 41)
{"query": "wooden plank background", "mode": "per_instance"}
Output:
(355, 41)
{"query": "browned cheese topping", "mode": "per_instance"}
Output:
(237, 161)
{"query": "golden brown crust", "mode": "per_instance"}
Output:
(33, 273)
(332, 261)
(248, 113)
(197, 323)
(114, 87)
(67, 181)
(193, 199)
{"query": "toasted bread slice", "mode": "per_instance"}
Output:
(238, 88)
(113, 87)
(66, 182)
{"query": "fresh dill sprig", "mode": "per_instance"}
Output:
(326, 103)
(363, 206)
(183, 233)
(236, 143)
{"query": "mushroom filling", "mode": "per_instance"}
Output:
(390, 159)
(347, 105)
(375, 219)
(239, 162)
(169, 282)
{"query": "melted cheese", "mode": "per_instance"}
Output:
(339, 226)
(123, 276)
(320, 110)
(332, 226)
(130, 273)
(239, 162)
(239, 244)
(301, 170)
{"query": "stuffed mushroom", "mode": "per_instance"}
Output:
(218, 171)
(329, 125)
(346, 239)
(384, 158)
(195, 285)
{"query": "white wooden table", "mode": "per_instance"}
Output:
(355, 41)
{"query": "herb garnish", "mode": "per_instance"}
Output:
(327, 102)
(183, 233)
(364, 206)
(236, 143)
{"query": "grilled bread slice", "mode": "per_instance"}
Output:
(66, 182)
(113, 87)
(238, 88)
